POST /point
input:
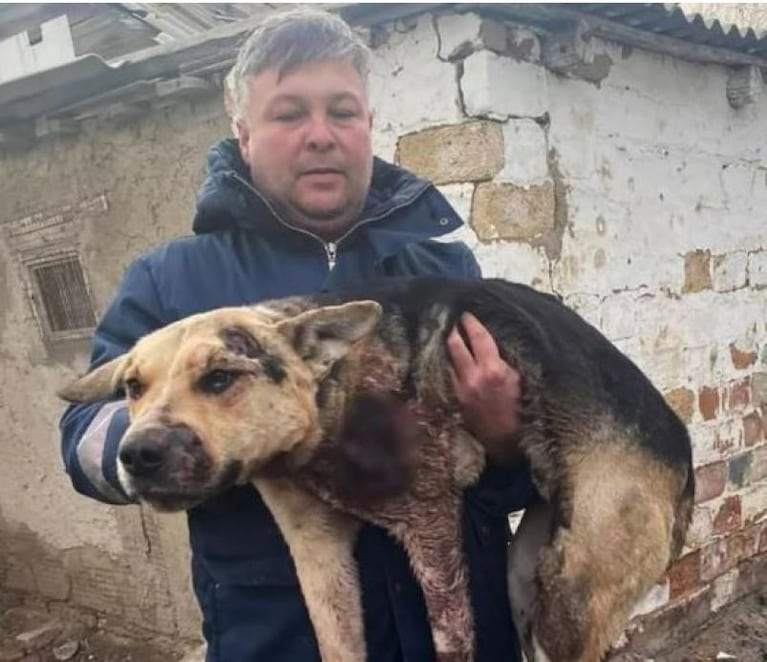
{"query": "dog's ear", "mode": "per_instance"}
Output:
(99, 384)
(324, 335)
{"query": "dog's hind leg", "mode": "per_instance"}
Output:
(432, 538)
(533, 533)
(321, 542)
(616, 545)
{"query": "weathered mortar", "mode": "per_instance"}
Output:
(655, 234)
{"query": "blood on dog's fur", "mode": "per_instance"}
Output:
(358, 409)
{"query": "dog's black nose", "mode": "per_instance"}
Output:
(142, 457)
(144, 454)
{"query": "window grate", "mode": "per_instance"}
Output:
(64, 295)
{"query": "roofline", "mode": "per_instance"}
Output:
(546, 14)
(29, 105)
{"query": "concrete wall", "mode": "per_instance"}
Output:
(638, 198)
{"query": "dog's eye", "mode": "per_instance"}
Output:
(134, 389)
(217, 381)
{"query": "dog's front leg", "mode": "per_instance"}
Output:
(433, 540)
(321, 541)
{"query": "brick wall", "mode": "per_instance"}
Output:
(639, 196)
(636, 193)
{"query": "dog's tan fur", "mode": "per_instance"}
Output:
(303, 370)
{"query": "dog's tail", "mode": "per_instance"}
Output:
(683, 514)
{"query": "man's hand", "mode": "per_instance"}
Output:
(486, 386)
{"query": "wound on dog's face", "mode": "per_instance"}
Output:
(241, 342)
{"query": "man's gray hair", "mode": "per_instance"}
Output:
(289, 40)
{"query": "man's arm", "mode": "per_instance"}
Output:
(91, 433)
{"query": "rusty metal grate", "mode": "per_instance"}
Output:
(64, 295)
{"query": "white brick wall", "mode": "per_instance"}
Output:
(651, 165)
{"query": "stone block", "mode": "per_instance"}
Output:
(467, 152)
(507, 211)
(525, 153)
(697, 271)
(729, 271)
(757, 269)
(500, 87)
(682, 401)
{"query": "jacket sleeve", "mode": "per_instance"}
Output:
(91, 433)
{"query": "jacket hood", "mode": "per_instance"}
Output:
(227, 200)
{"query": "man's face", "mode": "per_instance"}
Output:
(306, 138)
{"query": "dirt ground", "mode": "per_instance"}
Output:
(737, 632)
(31, 631)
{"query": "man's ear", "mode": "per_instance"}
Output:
(100, 384)
(242, 133)
(323, 336)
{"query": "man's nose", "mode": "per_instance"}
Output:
(146, 452)
(320, 136)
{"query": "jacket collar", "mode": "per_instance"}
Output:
(227, 200)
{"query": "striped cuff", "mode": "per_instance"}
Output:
(97, 451)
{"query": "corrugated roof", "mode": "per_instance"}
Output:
(90, 86)
(671, 21)
(665, 20)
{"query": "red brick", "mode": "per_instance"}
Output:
(726, 553)
(714, 560)
(740, 359)
(708, 402)
(739, 394)
(710, 481)
(752, 428)
(729, 517)
(684, 575)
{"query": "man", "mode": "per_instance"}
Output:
(296, 205)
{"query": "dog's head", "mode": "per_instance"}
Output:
(214, 397)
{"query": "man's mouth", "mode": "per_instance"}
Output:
(322, 171)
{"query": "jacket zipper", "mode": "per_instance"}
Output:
(330, 251)
(331, 247)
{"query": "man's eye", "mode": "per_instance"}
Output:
(134, 389)
(343, 113)
(288, 116)
(217, 381)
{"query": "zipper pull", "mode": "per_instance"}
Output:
(330, 251)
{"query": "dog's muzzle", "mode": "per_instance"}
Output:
(165, 465)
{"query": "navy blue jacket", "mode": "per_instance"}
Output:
(243, 575)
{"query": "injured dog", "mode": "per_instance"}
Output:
(341, 408)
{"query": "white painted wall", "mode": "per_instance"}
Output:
(655, 165)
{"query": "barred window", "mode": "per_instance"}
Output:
(63, 299)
